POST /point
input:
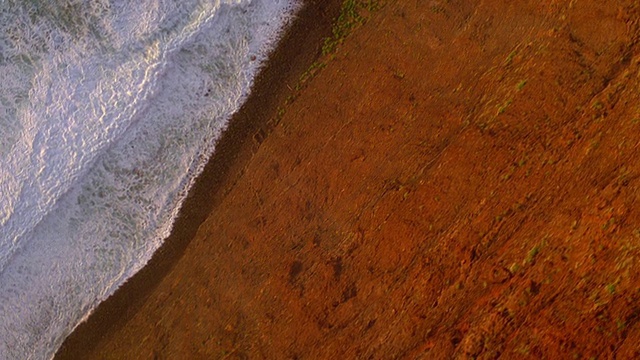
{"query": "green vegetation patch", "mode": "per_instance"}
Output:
(350, 17)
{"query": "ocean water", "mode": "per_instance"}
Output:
(108, 110)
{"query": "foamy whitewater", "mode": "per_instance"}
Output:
(108, 110)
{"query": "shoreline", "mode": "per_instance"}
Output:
(298, 48)
(452, 184)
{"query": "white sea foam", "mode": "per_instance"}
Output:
(108, 110)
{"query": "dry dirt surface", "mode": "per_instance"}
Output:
(459, 181)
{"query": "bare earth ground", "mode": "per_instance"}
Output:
(460, 181)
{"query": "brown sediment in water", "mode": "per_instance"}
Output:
(459, 180)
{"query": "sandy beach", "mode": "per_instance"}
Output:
(457, 179)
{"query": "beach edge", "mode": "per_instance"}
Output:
(298, 48)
